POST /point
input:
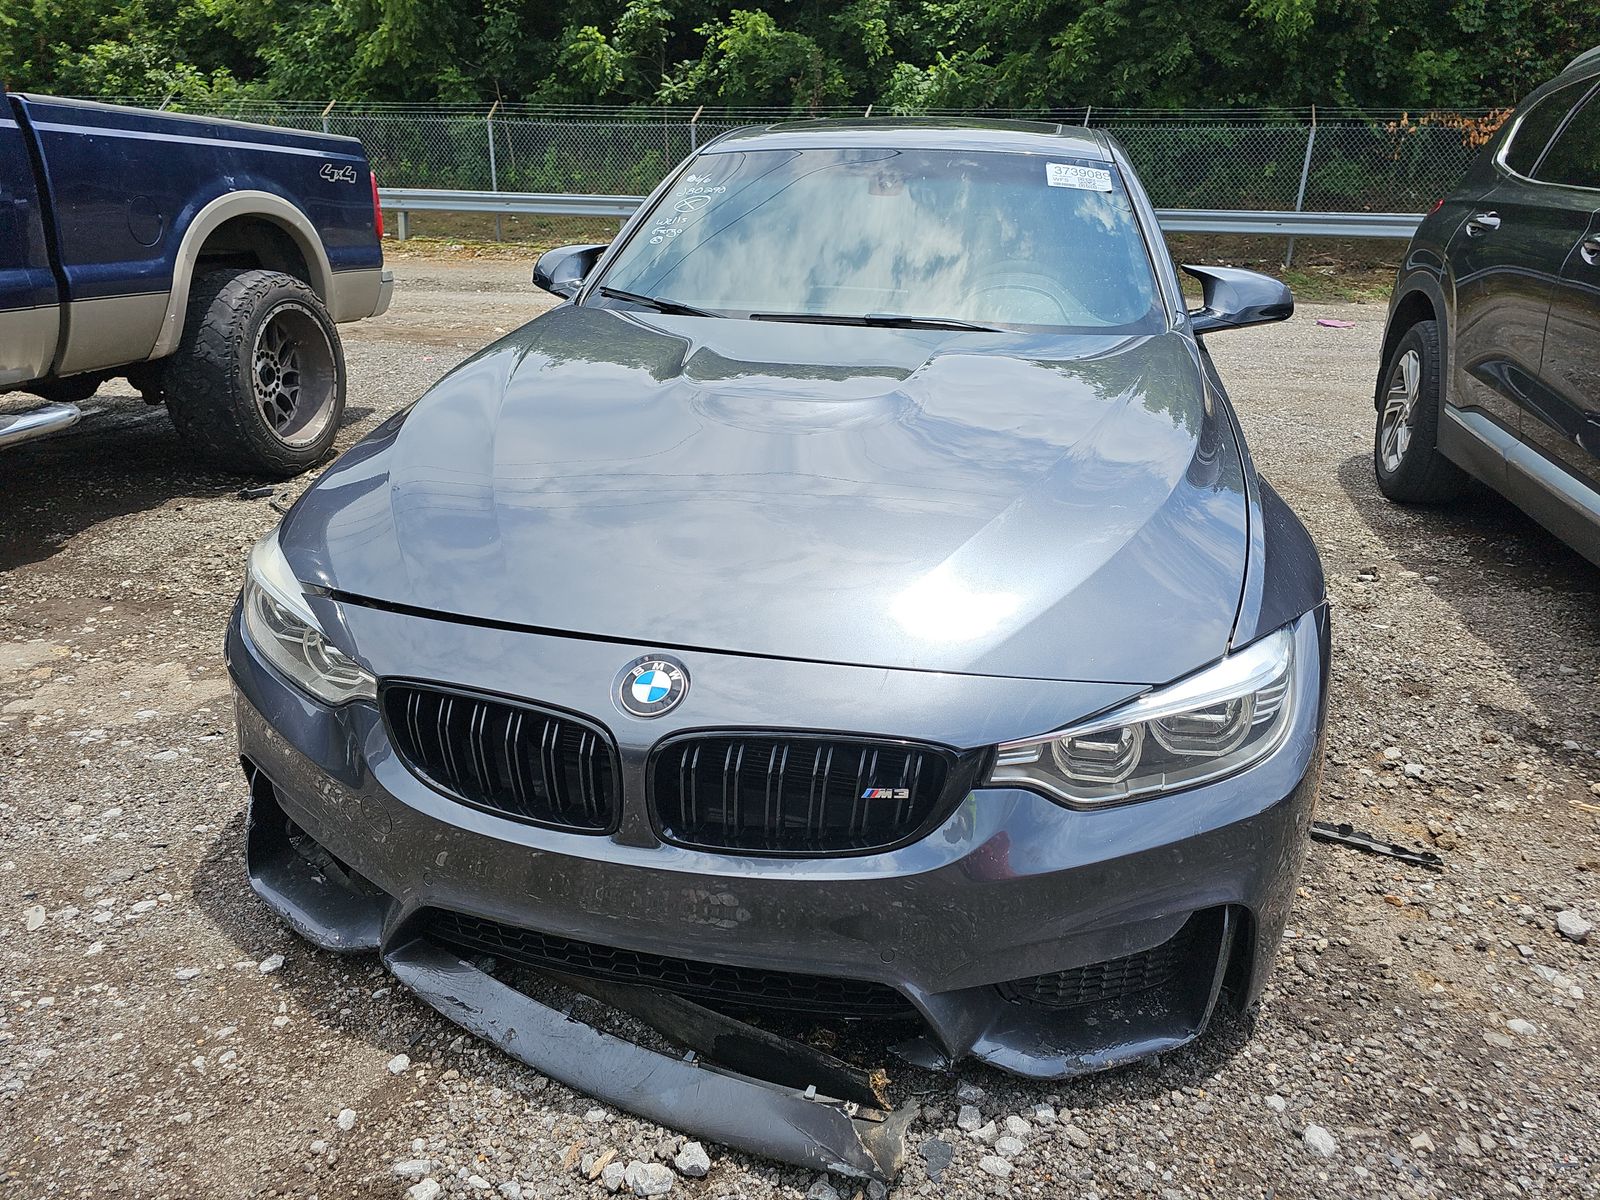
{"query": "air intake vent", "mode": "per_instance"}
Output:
(1196, 942)
(796, 795)
(735, 987)
(511, 759)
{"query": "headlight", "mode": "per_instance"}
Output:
(283, 629)
(1215, 722)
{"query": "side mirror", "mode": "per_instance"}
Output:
(561, 271)
(1236, 298)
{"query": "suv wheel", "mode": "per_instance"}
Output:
(1405, 451)
(258, 380)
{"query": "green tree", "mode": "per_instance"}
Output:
(908, 55)
(749, 60)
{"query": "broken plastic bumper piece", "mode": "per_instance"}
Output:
(804, 1107)
(694, 1094)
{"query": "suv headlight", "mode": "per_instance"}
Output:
(281, 626)
(1213, 723)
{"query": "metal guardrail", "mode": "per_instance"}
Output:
(544, 204)
(402, 201)
(1289, 224)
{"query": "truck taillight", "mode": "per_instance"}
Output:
(377, 208)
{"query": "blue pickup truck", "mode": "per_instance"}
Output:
(206, 261)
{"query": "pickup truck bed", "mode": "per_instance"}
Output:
(114, 221)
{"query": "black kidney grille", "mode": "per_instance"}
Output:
(792, 795)
(509, 758)
(748, 987)
(1115, 977)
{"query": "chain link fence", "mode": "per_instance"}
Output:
(1327, 160)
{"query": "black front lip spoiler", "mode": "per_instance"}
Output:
(736, 1110)
(329, 908)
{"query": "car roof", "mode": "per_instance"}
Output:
(923, 133)
(1589, 58)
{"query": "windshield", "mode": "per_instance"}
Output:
(995, 239)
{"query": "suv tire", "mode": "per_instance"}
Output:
(1405, 445)
(258, 379)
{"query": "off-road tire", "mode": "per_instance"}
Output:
(1405, 442)
(216, 385)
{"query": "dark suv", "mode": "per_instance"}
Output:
(1491, 358)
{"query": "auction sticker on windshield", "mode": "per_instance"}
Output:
(1069, 175)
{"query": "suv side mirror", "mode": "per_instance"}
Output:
(1235, 298)
(561, 271)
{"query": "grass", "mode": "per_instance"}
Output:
(1349, 270)
(473, 235)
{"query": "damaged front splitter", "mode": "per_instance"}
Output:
(692, 1094)
(811, 1110)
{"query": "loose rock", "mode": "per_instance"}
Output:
(1572, 925)
(647, 1179)
(994, 1165)
(693, 1161)
(937, 1153)
(1319, 1141)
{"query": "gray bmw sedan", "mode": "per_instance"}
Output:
(855, 600)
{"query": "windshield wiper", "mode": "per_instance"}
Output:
(886, 320)
(659, 303)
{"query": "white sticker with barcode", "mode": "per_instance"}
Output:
(1085, 179)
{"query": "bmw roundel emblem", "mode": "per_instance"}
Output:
(651, 686)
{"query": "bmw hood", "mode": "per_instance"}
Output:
(1061, 508)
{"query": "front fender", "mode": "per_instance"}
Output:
(1284, 578)
(1424, 288)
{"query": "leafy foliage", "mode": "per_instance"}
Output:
(903, 55)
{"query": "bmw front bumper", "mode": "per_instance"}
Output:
(1010, 889)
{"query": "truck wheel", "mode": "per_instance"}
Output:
(258, 378)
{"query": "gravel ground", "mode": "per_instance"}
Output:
(162, 1035)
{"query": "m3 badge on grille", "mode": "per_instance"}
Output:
(651, 686)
